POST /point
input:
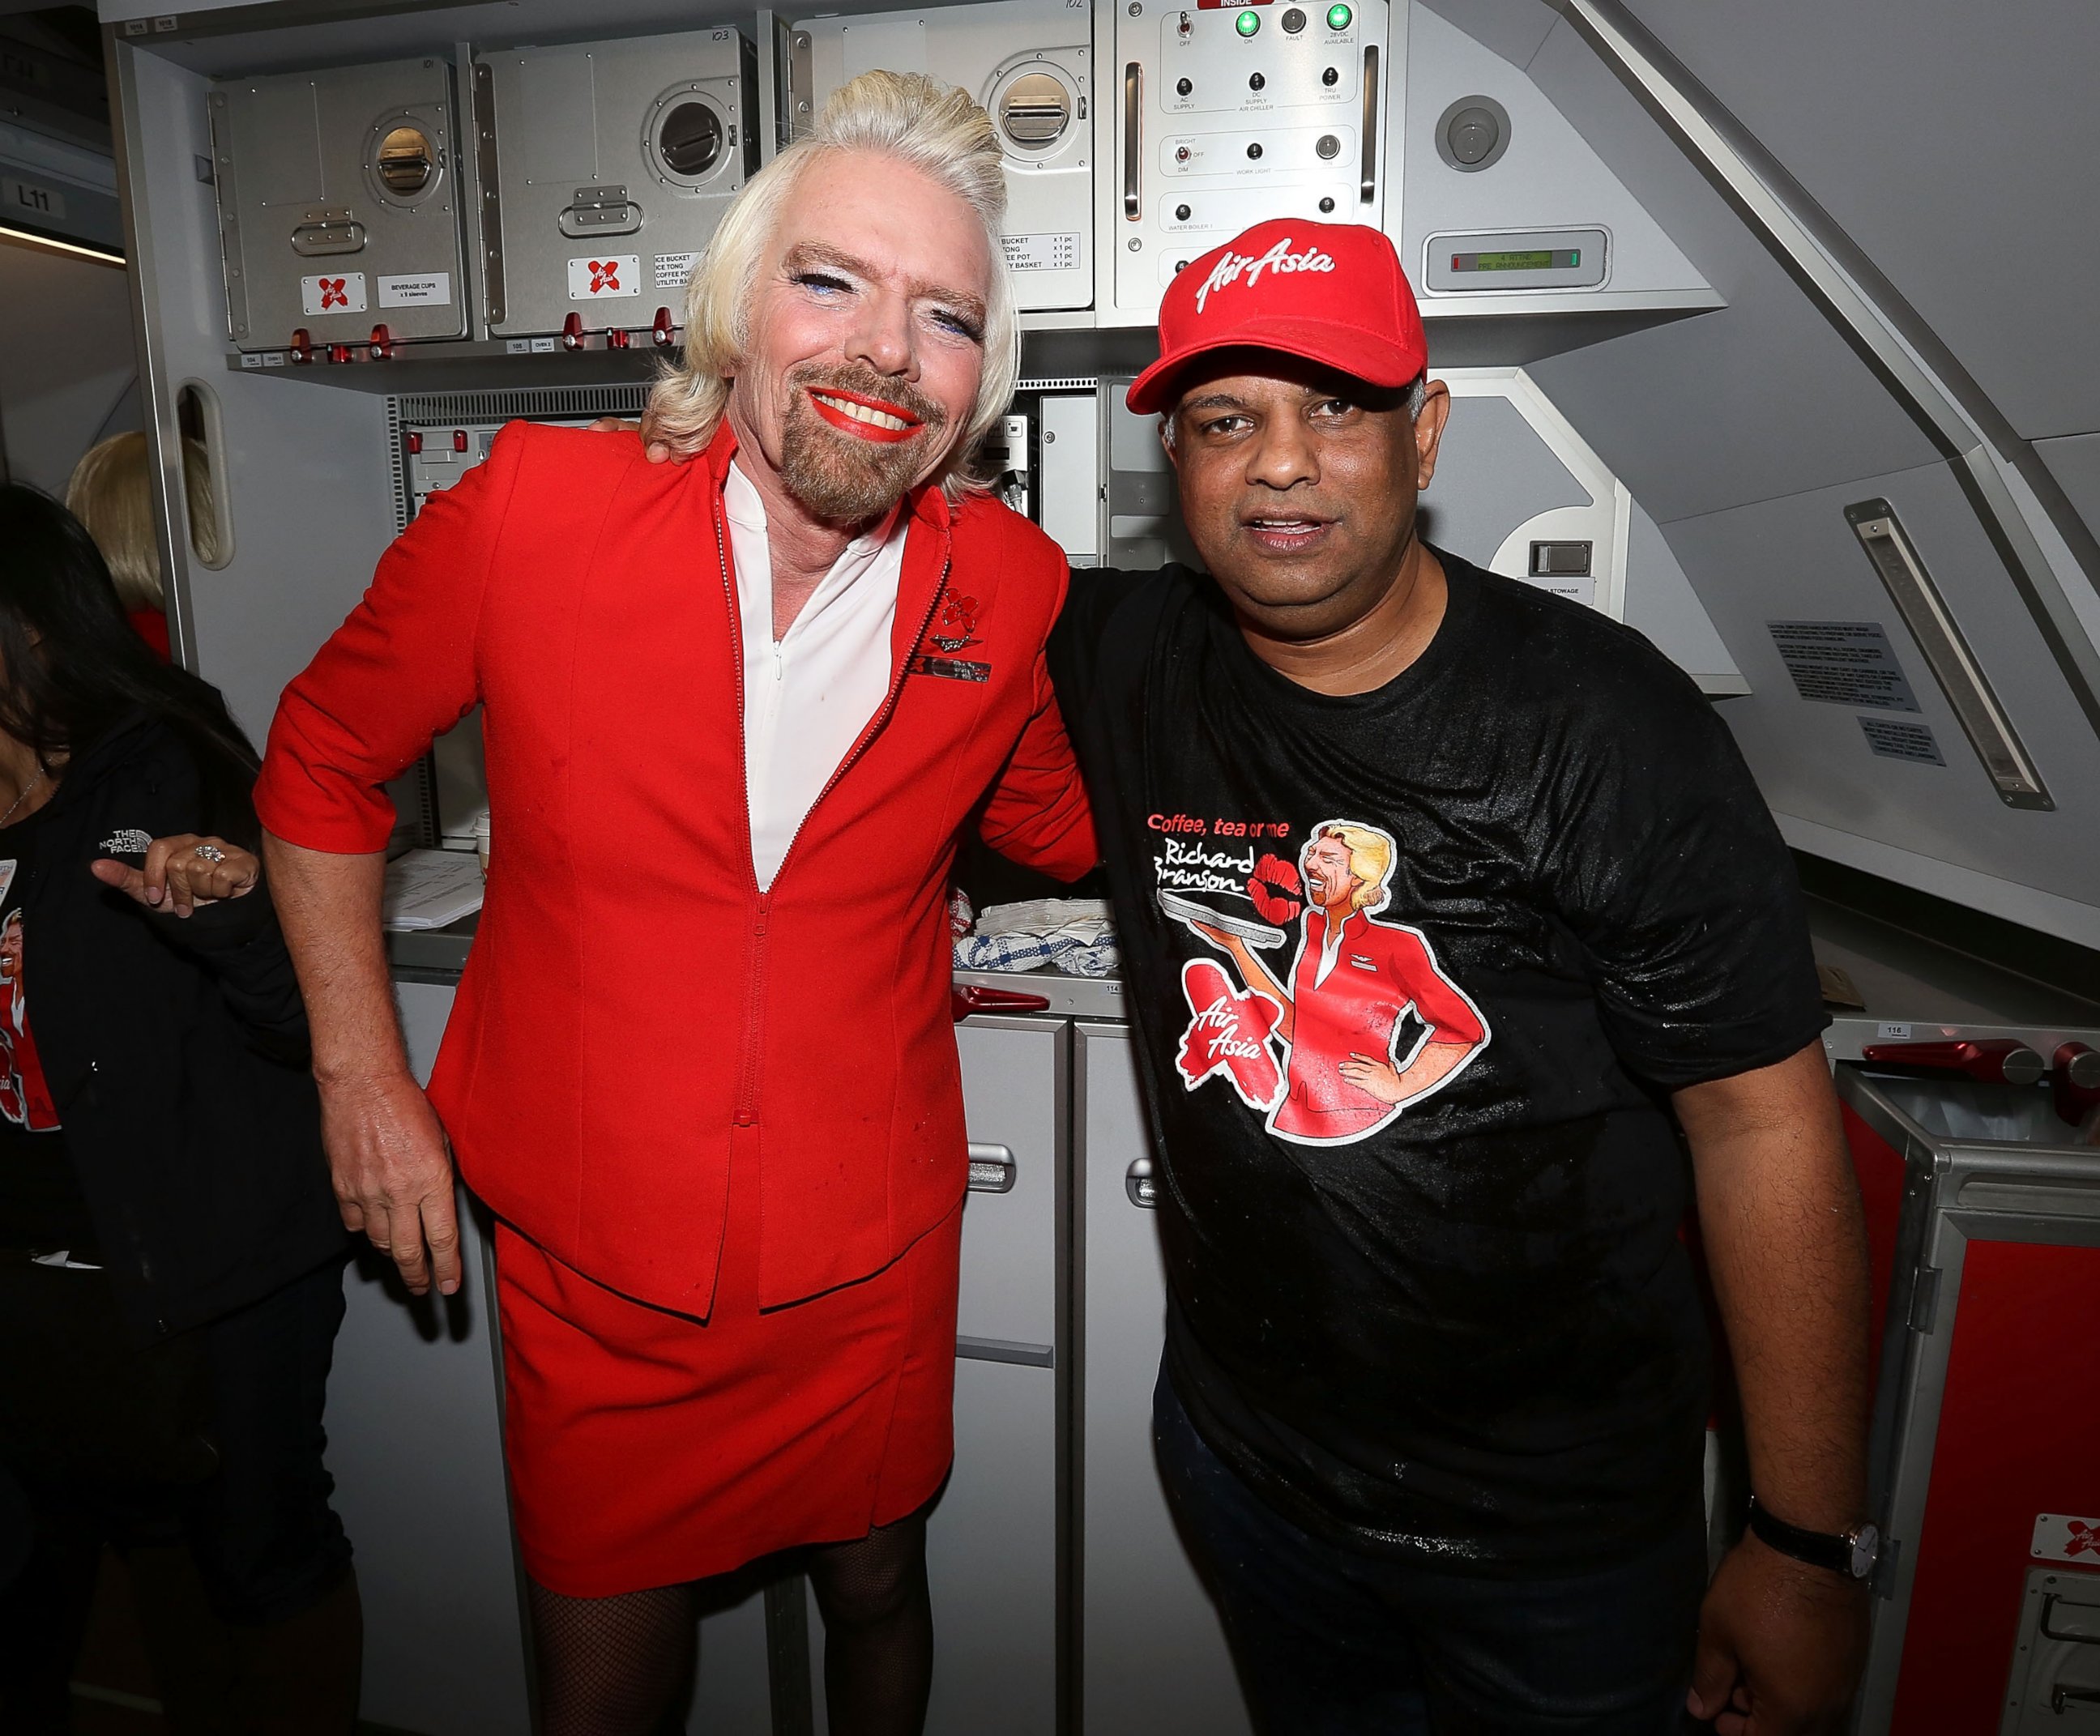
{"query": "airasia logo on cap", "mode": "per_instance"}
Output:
(1228, 270)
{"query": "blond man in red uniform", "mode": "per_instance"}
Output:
(727, 767)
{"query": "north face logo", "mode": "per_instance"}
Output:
(1228, 271)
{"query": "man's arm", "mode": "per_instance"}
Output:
(1781, 1643)
(387, 1157)
(1037, 813)
(398, 672)
(1257, 975)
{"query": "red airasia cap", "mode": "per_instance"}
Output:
(1329, 292)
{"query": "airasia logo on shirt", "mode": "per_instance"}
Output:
(1247, 268)
(1363, 1022)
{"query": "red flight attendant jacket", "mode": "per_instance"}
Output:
(632, 996)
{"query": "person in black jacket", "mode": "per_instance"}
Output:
(170, 1251)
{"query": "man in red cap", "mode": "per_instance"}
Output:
(1447, 906)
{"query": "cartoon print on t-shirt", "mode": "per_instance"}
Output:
(24, 1099)
(1352, 1056)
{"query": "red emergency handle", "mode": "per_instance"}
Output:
(572, 332)
(301, 347)
(1995, 1060)
(382, 346)
(660, 332)
(965, 999)
(2073, 1081)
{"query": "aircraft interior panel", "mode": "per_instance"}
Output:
(1796, 560)
(1495, 173)
(1671, 431)
(2075, 462)
(1952, 150)
(1757, 399)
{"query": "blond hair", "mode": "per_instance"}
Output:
(933, 128)
(1370, 862)
(111, 492)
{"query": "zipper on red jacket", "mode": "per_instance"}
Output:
(746, 1111)
(747, 1086)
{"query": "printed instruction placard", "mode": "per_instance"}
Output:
(1844, 662)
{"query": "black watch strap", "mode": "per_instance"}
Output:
(1851, 1553)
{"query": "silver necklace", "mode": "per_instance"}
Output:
(24, 796)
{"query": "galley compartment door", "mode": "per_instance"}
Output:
(614, 162)
(338, 203)
(1031, 63)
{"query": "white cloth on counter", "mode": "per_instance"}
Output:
(807, 695)
(1074, 936)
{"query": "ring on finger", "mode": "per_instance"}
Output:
(211, 852)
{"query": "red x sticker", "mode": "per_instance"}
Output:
(605, 276)
(333, 294)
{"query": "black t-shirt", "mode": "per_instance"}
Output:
(1422, 1192)
(42, 1205)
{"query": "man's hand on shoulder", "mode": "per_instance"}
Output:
(1780, 1646)
(657, 451)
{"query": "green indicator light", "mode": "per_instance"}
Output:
(1338, 17)
(1575, 259)
(1248, 22)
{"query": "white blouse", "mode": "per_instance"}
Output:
(807, 696)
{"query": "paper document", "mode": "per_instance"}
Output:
(429, 889)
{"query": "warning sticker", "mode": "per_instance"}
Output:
(1042, 252)
(1844, 662)
(334, 295)
(415, 289)
(675, 270)
(1894, 740)
(604, 279)
(2059, 1538)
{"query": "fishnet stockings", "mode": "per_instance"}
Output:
(612, 1666)
(878, 1630)
(616, 1666)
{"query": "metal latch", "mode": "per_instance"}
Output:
(601, 210)
(991, 1168)
(325, 232)
(1138, 1183)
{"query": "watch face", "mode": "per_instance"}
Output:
(1866, 1551)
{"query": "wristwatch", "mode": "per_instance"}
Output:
(1852, 1553)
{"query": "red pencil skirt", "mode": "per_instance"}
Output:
(647, 1448)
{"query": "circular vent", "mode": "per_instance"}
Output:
(1035, 110)
(405, 162)
(689, 140)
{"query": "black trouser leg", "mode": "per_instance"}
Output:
(43, 1613)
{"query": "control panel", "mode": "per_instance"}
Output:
(1031, 63)
(339, 206)
(1226, 115)
(605, 168)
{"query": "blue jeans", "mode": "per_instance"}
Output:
(1332, 1642)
